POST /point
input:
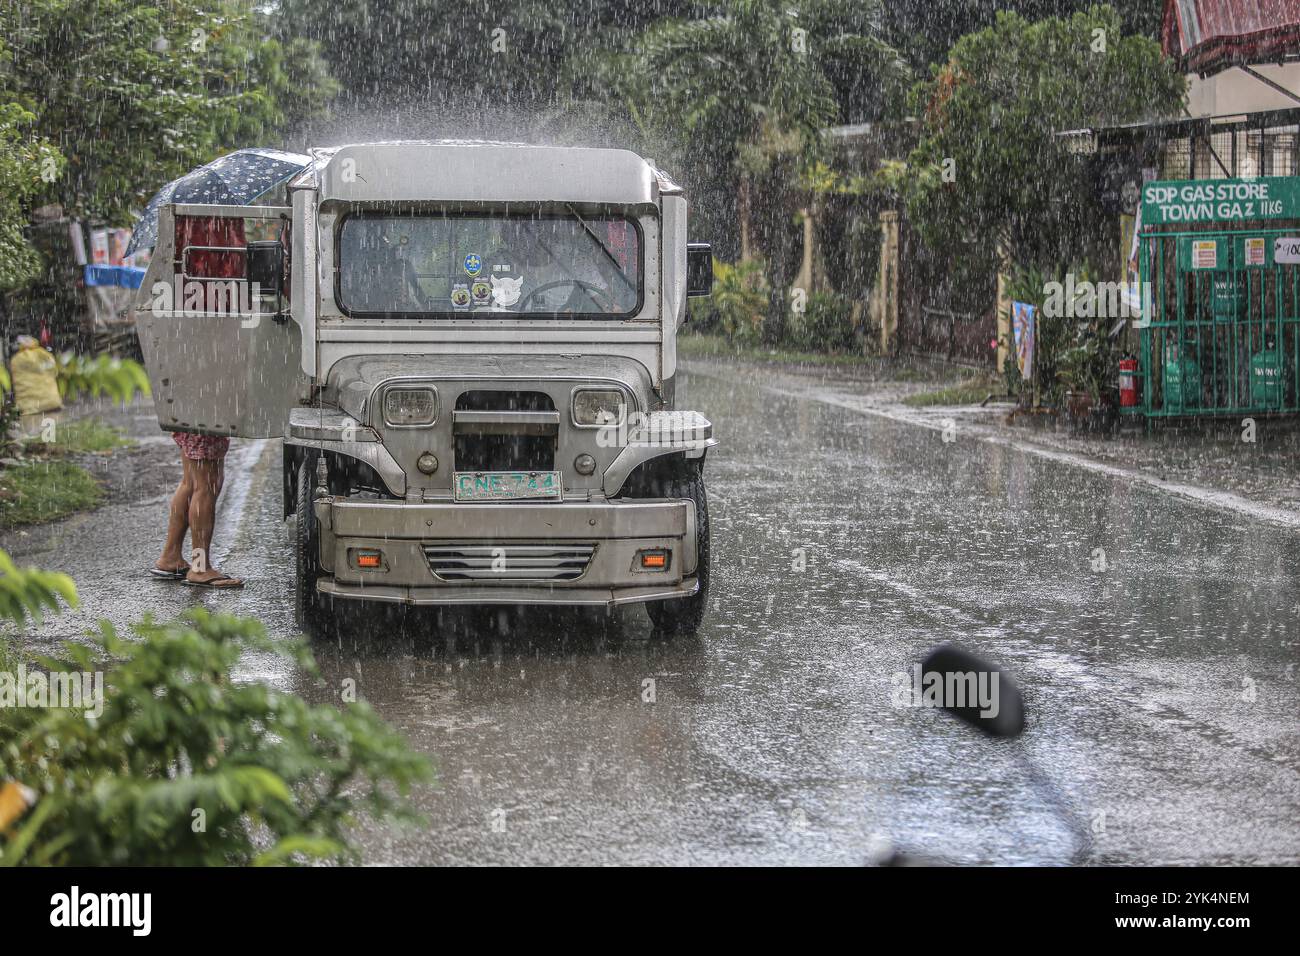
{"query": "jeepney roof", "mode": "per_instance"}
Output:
(472, 171)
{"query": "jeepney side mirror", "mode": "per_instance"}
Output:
(266, 266)
(699, 268)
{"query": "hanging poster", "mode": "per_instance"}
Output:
(1022, 323)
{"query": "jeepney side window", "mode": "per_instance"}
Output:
(444, 265)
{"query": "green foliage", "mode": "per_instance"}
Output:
(23, 159)
(473, 56)
(825, 325)
(1068, 353)
(1087, 364)
(10, 434)
(745, 94)
(136, 93)
(734, 79)
(715, 346)
(971, 391)
(925, 29)
(30, 592)
(289, 81)
(103, 374)
(120, 379)
(33, 492)
(187, 767)
(993, 110)
(736, 306)
(1028, 284)
(86, 435)
(756, 73)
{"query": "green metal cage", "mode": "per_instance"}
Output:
(1221, 326)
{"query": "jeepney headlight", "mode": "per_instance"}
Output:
(598, 406)
(410, 406)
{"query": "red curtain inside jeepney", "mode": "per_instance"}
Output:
(216, 247)
(616, 231)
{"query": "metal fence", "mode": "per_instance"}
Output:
(1231, 150)
(1224, 332)
(940, 317)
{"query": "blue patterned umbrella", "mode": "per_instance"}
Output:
(235, 179)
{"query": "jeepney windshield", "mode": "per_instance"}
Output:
(423, 265)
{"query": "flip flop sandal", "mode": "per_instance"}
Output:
(217, 584)
(163, 575)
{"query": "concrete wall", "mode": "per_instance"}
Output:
(1235, 91)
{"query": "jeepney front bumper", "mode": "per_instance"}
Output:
(519, 552)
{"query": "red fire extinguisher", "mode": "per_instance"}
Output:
(1128, 389)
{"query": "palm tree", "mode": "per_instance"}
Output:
(750, 90)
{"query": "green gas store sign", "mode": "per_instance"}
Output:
(1220, 200)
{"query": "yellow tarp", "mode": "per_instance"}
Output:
(35, 381)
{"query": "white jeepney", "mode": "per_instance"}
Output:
(469, 351)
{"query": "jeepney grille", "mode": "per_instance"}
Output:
(508, 563)
(504, 452)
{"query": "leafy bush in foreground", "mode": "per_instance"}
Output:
(187, 767)
(25, 591)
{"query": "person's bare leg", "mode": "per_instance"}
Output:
(208, 477)
(178, 522)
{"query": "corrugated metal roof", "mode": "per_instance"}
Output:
(1211, 35)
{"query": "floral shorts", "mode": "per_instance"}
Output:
(201, 447)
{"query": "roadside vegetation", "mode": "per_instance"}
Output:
(37, 482)
(82, 436)
(182, 765)
(757, 114)
(971, 391)
(33, 492)
(702, 345)
(27, 593)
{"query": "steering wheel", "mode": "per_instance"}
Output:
(593, 292)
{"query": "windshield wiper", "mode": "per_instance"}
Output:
(618, 268)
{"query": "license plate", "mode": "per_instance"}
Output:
(505, 485)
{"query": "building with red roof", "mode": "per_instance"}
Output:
(1208, 36)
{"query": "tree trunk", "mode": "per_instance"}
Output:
(742, 207)
(778, 274)
(806, 280)
(778, 243)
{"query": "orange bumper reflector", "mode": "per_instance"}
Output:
(654, 559)
(369, 559)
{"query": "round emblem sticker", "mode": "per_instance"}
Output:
(460, 297)
(473, 264)
(481, 292)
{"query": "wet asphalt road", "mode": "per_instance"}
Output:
(1163, 694)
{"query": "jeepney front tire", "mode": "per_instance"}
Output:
(684, 615)
(308, 606)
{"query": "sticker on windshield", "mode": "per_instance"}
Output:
(481, 293)
(505, 290)
(460, 295)
(473, 263)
